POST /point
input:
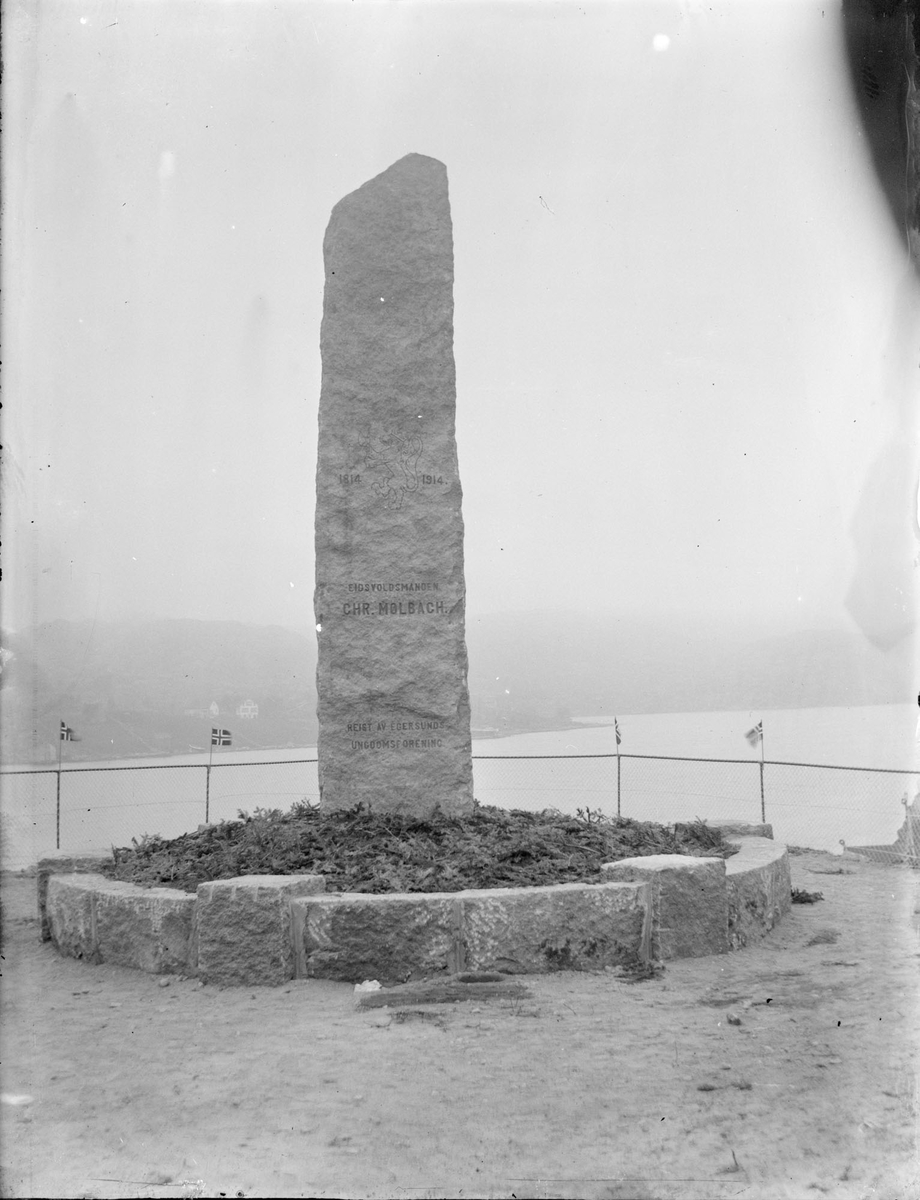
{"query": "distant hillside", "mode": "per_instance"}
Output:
(147, 687)
(527, 664)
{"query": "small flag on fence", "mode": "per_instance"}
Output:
(67, 734)
(220, 737)
(755, 735)
(616, 730)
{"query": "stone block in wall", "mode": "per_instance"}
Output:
(392, 938)
(688, 899)
(758, 889)
(564, 927)
(61, 863)
(70, 911)
(146, 928)
(730, 826)
(243, 927)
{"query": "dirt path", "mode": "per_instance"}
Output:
(593, 1088)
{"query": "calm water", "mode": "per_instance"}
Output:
(807, 805)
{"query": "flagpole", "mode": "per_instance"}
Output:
(617, 742)
(763, 806)
(57, 822)
(207, 784)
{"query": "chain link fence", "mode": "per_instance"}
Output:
(646, 788)
(810, 804)
(237, 787)
(85, 809)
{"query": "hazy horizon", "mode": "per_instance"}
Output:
(764, 625)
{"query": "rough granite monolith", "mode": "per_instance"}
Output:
(394, 714)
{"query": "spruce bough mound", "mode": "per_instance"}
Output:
(365, 851)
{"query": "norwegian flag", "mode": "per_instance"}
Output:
(67, 734)
(616, 730)
(755, 735)
(220, 737)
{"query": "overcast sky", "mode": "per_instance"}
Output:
(684, 328)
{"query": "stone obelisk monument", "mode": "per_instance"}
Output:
(394, 713)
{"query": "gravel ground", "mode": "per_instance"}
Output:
(785, 1070)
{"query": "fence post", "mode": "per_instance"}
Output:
(618, 785)
(57, 815)
(763, 807)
